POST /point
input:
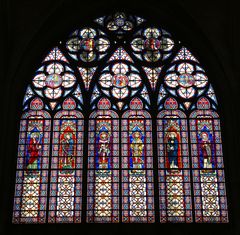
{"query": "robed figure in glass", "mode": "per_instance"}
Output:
(33, 150)
(67, 145)
(173, 150)
(137, 149)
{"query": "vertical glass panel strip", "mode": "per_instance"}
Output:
(137, 167)
(208, 169)
(174, 173)
(32, 168)
(103, 168)
(66, 171)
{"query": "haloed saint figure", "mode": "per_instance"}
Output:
(67, 151)
(104, 150)
(137, 146)
(33, 151)
(206, 150)
(172, 150)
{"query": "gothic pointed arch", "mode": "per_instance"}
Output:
(65, 198)
(137, 164)
(186, 81)
(30, 202)
(103, 164)
(207, 163)
(120, 125)
(173, 163)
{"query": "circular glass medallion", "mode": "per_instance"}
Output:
(152, 44)
(186, 80)
(119, 22)
(120, 80)
(88, 44)
(54, 80)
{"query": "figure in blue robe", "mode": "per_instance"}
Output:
(172, 150)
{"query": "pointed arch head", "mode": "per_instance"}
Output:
(36, 104)
(104, 104)
(136, 110)
(203, 103)
(136, 104)
(104, 110)
(171, 103)
(204, 109)
(69, 104)
(36, 110)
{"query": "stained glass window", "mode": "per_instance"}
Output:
(207, 164)
(32, 165)
(187, 82)
(67, 162)
(120, 124)
(174, 174)
(103, 165)
(137, 164)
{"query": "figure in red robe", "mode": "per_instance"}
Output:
(67, 140)
(34, 152)
(206, 150)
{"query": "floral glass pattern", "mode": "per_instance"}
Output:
(120, 78)
(87, 44)
(186, 78)
(152, 45)
(120, 22)
(54, 79)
